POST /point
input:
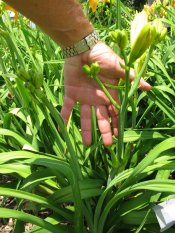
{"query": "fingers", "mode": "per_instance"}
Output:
(67, 109)
(86, 124)
(144, 86)
(114, 118)
(104, 124)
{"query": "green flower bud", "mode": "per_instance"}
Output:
(140, 20)
(91, 71)
(161, 31)
(115, 36)
(119, 37)
(124, 39)
(143, 41)
(95, 69)
(23, 75)
(37, 79)
(87, 70)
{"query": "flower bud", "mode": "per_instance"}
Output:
(115, 36)
(95, 69)
(124, 40)
(142, 36)
(37, 79)
(120, 37)
(140, 20)
(23, 75)
(87, 70)
(161, 31)
(142, 42)
(91, 71)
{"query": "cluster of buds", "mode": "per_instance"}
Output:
(33, 79)
(92, 70)
(144, 34)
(119, 37)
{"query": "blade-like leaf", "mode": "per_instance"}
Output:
(9, 213)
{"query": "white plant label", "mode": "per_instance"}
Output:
(165, 213)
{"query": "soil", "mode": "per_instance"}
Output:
(6, 225)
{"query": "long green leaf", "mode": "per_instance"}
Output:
(35, 198)
(10, 213)
(148, 160)
(154, 185)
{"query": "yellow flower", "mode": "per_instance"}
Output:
(173, 3)
(150, 10)
(93, 4)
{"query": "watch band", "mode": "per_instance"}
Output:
(82, 46)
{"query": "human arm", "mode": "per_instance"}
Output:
(65, 22)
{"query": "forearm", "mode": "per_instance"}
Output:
(63, 20)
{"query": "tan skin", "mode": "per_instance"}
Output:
(79, 88)
(85, 90)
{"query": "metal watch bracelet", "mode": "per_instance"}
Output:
(82, 46)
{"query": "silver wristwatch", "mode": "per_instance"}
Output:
(82, 46)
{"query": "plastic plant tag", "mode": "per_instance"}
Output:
(165, 213)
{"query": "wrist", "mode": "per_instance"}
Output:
(81, 46)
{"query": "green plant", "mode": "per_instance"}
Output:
(95, 189)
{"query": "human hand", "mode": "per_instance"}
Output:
(78, 87)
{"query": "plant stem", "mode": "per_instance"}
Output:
(118, 15)
(139, 75)
(101, 85)
(122, 116)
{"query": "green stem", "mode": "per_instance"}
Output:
(133, 104)
(118, 14)
(144, 114)
(139, 75)
(101, 85)
(122, 116)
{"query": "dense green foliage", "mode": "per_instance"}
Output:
(136, 4)
(86, 189)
